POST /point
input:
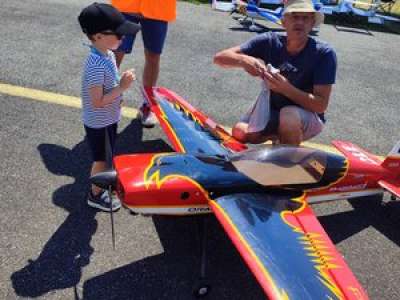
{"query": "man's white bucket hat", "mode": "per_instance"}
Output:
(303, 6)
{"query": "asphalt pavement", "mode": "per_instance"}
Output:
(52, 246)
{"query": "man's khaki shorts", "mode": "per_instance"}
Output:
(311, 122)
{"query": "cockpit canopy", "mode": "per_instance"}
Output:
(281, 165)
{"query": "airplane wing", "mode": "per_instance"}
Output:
(188, 129)
(285, 247)
(272, 15)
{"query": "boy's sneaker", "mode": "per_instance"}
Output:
(102, 201)
(147, 117)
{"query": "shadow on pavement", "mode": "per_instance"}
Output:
(174, 273)
(360, 25)
(60, 263)
(368, 211)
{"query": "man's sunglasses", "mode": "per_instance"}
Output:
(119, 36)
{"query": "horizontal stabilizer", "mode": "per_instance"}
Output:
(353, 152)
(391, 186)
(392, 161)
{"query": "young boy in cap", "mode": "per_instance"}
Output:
(102, 88)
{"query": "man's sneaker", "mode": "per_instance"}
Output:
(102, 201)
(147, 117)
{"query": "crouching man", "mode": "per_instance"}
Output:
(300, 91)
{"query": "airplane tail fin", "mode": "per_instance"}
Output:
(352, 151)
(392, 163)
(392, 160)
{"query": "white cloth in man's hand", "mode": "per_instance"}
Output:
(258, 115)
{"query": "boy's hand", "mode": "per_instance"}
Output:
(127, 78)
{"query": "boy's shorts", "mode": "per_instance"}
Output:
(311, 123)
(154, 33)
(96, 138)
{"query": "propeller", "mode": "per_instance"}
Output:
(110, 177)
(107, 180)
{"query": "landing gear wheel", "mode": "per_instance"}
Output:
(201, 290)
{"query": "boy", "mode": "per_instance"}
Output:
(102, 88)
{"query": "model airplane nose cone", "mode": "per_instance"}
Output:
(105, 179)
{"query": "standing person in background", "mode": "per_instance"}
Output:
(153, 15)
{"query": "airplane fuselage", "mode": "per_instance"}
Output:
(175, 183)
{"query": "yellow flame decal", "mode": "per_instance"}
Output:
(316, 248)
(156, 176)
(341, 175)
(164, 117)
(356, 292)
(158, 181)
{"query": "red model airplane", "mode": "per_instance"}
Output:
(260, 196)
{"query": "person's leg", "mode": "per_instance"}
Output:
(297, 124)
(127, 42)
(99, 153)
(96, 138)
(151, 68)
(290, 131)
(154, 33)
(312, 124)
(97, 167)
(240, 132)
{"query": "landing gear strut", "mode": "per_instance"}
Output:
(202, 288)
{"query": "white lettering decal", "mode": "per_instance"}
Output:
(198, 209)
(348, 188)
(356, 152)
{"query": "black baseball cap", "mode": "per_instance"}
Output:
(98, 17)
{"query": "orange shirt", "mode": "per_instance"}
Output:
(164, 10)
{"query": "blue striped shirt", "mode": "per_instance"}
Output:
(100, 70)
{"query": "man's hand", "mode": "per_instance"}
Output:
(127, 78)
(253, 66)
(317, 101)
(277, 83)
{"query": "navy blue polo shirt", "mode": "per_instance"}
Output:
(314, 65)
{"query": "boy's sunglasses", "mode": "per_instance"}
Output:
(119, 36)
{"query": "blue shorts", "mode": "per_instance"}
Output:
(154, 33)
(96, 138)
